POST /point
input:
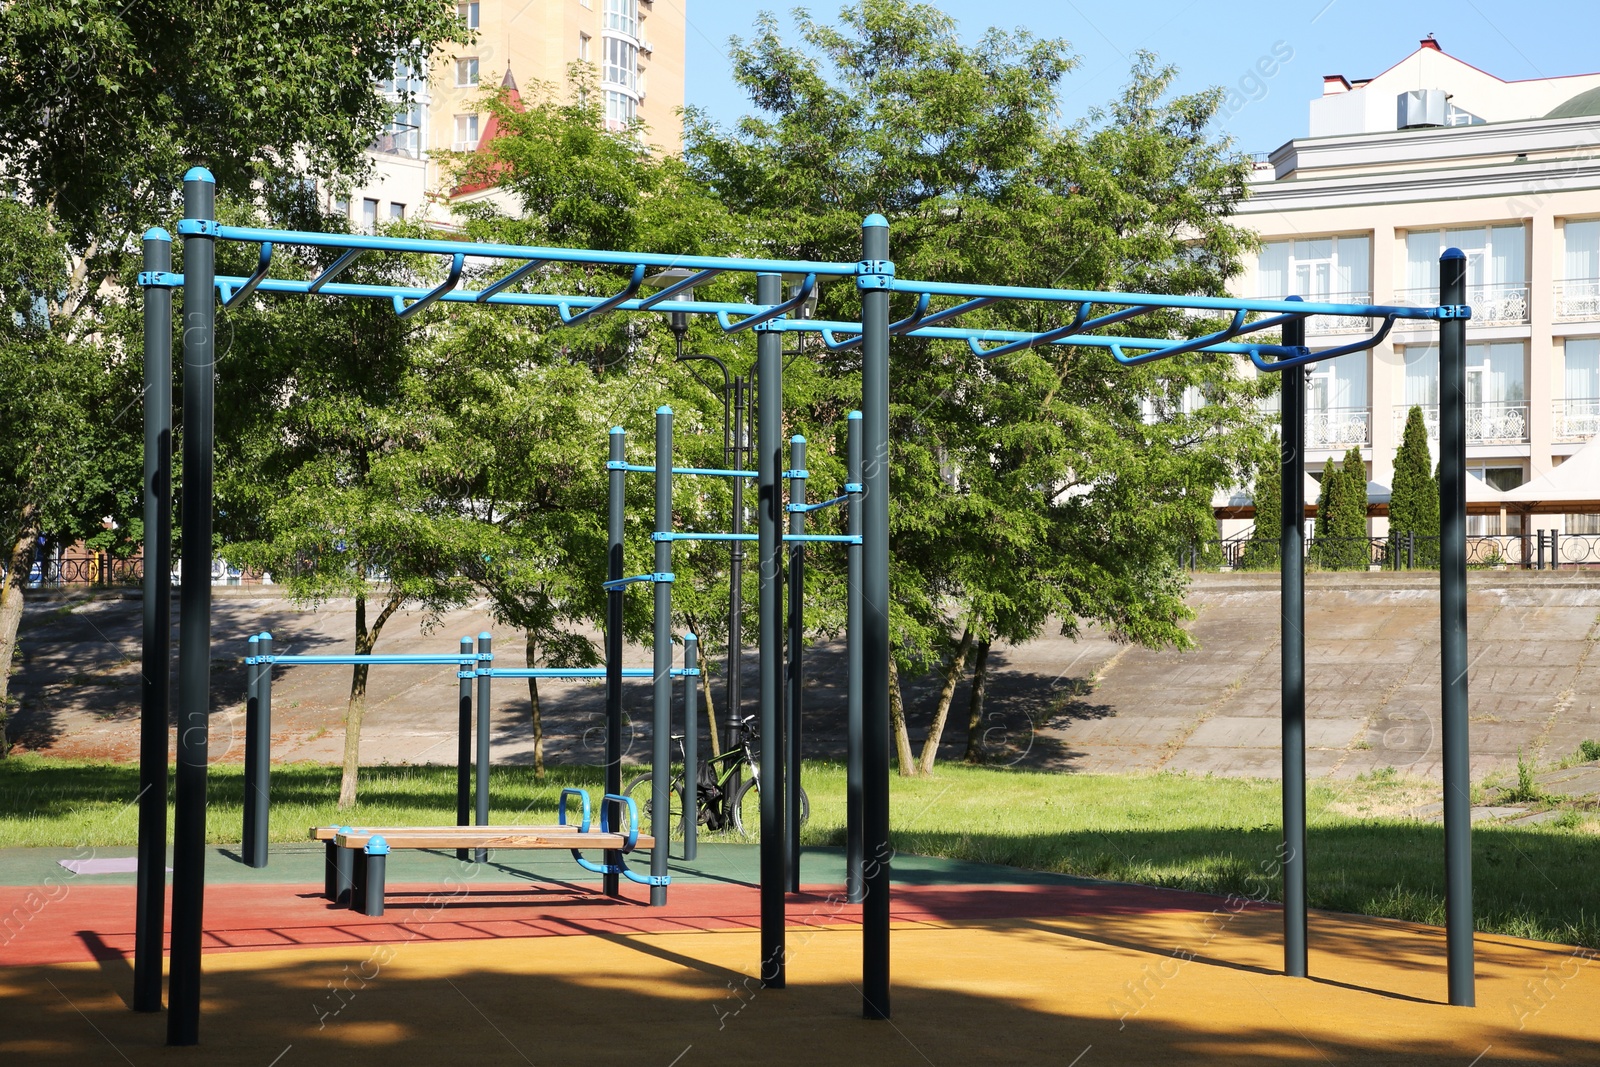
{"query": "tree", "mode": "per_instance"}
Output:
(1261, 552)
(338, 459)
(106, 104)
(1034, 486)
(1341, 529)
(1414, 502)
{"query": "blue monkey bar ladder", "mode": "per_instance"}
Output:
(496, 274)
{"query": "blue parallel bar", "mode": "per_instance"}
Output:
(562, 255)
(1328, 353)
(635, 468)
(229, 299)
(608, 304)
(773, 312)
(434, 659)
(406, 311)
(564, 672)
(951, 333)
(704, 537)
(1209, 303)
(843, 539)
(554, 301)
(697, 278)
(510, 279)
(819, 505)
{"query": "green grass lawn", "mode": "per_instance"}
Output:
(1216, 835)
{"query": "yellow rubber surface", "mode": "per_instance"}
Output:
(1152, 988)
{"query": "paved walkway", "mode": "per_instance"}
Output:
(1086, 705)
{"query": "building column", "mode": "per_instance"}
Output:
(1539, 368)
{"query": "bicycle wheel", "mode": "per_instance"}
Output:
(641, 787)
(747, 809)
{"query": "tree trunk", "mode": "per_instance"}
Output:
(897, 721)
(705, 686)
(531, 658)
(980, 677)
(952, 678)
(356, 710)
(10, 620)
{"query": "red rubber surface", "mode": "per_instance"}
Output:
(97, 922)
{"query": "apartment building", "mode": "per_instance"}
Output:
(1434, 153)
(635, 46)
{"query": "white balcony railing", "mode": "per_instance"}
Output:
(1577, 420)
(1487, 424)
(1577, 299)
(464, 146)
(1336, 428)
(1492, 305)
(1318, 325)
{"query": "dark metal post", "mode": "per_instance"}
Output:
(735, 697)
(797, 624)
(264, 769)
(691, 746)
(1292, 596)
(249, 843)
(1411, 549)
(1539, 534)
(1453, 626)
(464, 746)
(198, 230)
(873, 284)
(611, 883)
(155, 698)
(1555, 550)
(769, 529)
(661, 723)
(854, 889)
(485, 680)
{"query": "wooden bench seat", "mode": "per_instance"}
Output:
(357, 878)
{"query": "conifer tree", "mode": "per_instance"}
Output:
(1414, 503)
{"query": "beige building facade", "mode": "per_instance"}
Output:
(1434, 153)
(635, 47)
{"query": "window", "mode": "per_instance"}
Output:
(622, 16)
(468, 13)
(466, 139)
(407, 91)
(1455, 116)
(397, 212)
(369, 213)
(341, 206)
(583, 48)
(1320, 268)
(1496, 256)
(621, 64)
(1582, 250)
(467, 72)
(1582, 524)
(621, 109)
(1494, 374)
(1582, 376)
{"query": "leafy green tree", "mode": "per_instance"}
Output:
(1261, 553)
(105, 105)
(1050, 483)
(1341, 528)
(338, 460)
(1414, 503)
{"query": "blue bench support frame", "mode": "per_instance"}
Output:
(485, 268)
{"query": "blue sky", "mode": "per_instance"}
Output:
(1216, 43)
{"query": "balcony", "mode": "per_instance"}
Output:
(1499, 423)
(1492, 305)
(1577, 300)
(1337, 428)
(1318, 325)
(1577, 420)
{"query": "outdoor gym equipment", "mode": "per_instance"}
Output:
(875, 278)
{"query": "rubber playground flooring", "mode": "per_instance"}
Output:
(518, 962)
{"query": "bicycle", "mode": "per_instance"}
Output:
(715, 809)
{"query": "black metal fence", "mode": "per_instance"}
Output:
(1535, 550)
(108, 571)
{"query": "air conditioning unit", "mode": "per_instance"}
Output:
(1420, 108)
(646, 48)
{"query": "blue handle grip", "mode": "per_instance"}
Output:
(561, 815)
